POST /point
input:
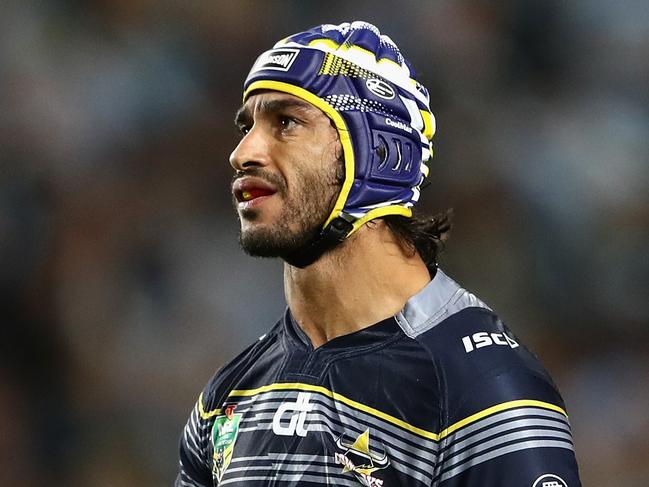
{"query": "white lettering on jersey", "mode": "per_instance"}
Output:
(295, 426)
(484, 339)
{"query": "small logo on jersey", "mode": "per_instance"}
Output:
(224, 435)
(296, 419)
(380, 88)
(279, 59)
(549, 480)
(484, 339)
(360, 460)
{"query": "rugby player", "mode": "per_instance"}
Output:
(383, 371)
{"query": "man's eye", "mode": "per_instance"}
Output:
(287, 122)
(243, 129)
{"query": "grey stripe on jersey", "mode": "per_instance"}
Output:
(414, 457)
(441, 298)
(416, 469)
(500, 434)
(196, 435)
(268, 401)
(509, 415)
(503, 451)
(282, 477)
(183, 480)
(322, 423)
(282, 467)
(506, 439)
(526, 425)
(336, 419)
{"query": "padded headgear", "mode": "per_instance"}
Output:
(361, 81)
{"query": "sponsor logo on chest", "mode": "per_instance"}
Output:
(290, 417)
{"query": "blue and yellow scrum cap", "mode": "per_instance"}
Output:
(362, 82)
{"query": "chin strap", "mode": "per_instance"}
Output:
(337, 231)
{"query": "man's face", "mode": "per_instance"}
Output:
(289, 173)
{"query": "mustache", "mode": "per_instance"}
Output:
(275, 179)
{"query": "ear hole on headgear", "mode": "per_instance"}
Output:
(408, 156)
(382, 152)
(397, 144)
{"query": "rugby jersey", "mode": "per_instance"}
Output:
(441, 394)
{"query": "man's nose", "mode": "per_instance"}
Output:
(252, 151)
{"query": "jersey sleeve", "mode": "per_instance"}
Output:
(194, 468)
(504, 423)
(514, 432)
(196, 449)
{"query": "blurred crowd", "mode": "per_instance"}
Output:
(122, 285)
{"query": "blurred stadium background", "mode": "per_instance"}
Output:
(122, 285)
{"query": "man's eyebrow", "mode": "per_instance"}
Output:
(274, 106)
(242, 116)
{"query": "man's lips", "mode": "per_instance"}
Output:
(247, 189)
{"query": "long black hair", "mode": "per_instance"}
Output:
(423, 234)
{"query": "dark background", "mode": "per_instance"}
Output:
(122, 285)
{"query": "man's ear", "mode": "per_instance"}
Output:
(376, 224)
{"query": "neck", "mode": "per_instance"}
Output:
(366, 279)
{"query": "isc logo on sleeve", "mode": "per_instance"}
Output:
(484, 339)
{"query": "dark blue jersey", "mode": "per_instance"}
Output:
(442, 394)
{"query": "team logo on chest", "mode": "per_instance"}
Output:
(224, 435)
(356, 457)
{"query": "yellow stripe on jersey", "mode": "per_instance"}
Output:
(498, 408)
(338, 397)
(296, 386)
(206, 414)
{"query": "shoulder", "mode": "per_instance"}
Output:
(195, 447)
(500, 406)
(470, 344)
(229, 375)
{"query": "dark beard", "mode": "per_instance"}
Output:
(277, 241)
(309, 207)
